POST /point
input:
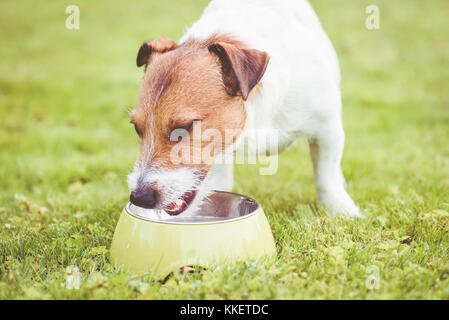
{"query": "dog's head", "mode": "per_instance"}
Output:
(191, 100)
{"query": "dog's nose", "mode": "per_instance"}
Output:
(143, 198)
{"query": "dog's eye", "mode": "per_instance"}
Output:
(188, 127)
(137, 130)
(181, 132)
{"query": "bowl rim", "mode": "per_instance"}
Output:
(255, 212)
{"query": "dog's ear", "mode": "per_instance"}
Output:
(241, 68)
(154, 46)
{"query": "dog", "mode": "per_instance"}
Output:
(244, 66)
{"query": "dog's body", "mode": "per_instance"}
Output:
(296, 86)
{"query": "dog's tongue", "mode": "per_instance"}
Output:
(180, 204)
(176, 207)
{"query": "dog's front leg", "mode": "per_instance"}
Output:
(222, 177)
(326, 151)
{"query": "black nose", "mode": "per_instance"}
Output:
(145, 198)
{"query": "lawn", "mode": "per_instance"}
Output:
(66, 146)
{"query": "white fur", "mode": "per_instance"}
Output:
(299, 93)
(173, 184)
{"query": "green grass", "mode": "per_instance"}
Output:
(66, 146)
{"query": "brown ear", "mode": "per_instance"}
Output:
(241, 68)
(154, 46)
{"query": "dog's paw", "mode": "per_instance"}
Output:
(340, 204)
(346, 210)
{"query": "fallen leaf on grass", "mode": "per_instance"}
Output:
(392, 244)
(29, 206)
(441, 212)
(98, 251)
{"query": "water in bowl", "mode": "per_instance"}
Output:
(219, 207)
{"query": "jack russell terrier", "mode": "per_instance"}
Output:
(246, 66)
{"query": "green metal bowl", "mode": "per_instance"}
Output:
(228, 227)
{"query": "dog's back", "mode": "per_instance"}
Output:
(282, 28)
